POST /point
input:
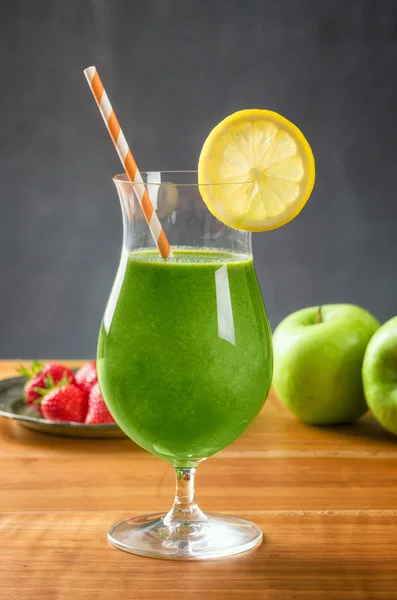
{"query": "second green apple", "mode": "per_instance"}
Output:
(318, 355)
(380, 375)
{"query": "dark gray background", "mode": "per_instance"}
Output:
(173, 69)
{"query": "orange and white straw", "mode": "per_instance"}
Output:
(130, 166)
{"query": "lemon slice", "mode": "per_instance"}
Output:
(256, 170)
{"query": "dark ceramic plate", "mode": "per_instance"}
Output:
(13, 406)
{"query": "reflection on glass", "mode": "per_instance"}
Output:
(224, 305)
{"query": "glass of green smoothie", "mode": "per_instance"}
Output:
(184, 357)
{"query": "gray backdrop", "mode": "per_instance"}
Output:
(173, 69)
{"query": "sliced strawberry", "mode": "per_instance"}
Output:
(86, 376)
(97, 410)
(44, 377)
(65, 403)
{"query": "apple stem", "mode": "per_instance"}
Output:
(319, 315)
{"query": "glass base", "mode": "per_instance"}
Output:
(215, 537)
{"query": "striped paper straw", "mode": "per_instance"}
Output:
(109, 116)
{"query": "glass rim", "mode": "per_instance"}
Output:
(123, 178)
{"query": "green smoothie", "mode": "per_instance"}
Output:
(186, 362)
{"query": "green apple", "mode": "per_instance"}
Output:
(380, 375)
(318, 355)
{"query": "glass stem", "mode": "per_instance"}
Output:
(185, 509)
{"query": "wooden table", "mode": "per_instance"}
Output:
(326, 500)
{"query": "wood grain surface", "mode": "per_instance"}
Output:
(326, 499)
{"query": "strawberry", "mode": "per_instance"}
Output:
(65, 403)
(86, 376)
(97, 409)
(44, 377)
